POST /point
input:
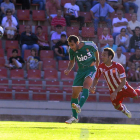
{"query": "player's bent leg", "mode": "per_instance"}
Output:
(87, 84)
(74, 100)
(122, 107)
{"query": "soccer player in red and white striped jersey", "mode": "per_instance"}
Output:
(115, 77)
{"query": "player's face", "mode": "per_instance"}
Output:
(105, 57)
(73, 45)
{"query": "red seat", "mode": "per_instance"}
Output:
(6, 94)
(21, 94)
(39, 95)
(67, 77)
(17, 84)
(4, 83)
(114, 15)
(34, 74)
(26, 54)
(103, 91)
(35, 84)
(100, 31)
(50, 74)
(87, 16)
(49, 64)
(45, 54)
(38, 15)
(134, 84)
(17, 74)
(72, 31)
(128, 16)
(9, 53)
(91, 98)
(11, 44)
(1, 53)
(65, 1)
(67, 85)
(23, 14)
(136, 100)
(44, 29)
(104, 99)
(54, 85)
(3, 73)
(56, 95)
(21, 28)
(128, 55)
(88, 32)
(0, 44)
(2, 63)
(62, 64)
(102, 86)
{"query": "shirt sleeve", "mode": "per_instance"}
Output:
(98, 73)
(111, 10)
(94, 47)
(95, 8)
(121, 70)
(66, 5)
(71, 56)
(13, 6)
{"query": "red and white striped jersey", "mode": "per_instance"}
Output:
(112, 75)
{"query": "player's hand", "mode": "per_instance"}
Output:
(92, 90)
(66, 71)
(113, 96)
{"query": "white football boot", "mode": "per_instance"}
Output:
(127, 112)
(76, 107)
(72, 120)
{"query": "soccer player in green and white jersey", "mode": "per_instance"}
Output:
(87, 56)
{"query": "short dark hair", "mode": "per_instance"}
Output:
(58, 25)
(73, 37)
(63, 35)
(137, 27)
(14, 50)
(39, 27)
(8, 11)
(110, 52)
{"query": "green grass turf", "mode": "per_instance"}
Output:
(61, 131)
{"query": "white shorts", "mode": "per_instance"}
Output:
(19, 64)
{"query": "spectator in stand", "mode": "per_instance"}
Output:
(110, 45)
(42, 39)
(58, 20)
(118, 23)
(25, 3)
(9, 23)
(133, 24)
(100, 12)
(104, 38)
(15, 62)
(1, 1)
(51, 8)
(81, 4)
(119, 57)
(135, 40)
(28, 40)
(33, 61)
(122, 40)
(41, 4)
(71, 11)
(131, 75)
(130, 3)
(115, 3)
(94, 2)
(138, 73)
(7, 5)
(61, 48)
(56, 36)
(135, 58)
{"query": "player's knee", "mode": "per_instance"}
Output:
(136, 97)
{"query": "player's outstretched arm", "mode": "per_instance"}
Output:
(97, 58)
(92, 88)
(70, 66)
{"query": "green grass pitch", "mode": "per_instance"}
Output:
(61, 131)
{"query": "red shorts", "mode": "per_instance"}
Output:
(129, 92)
